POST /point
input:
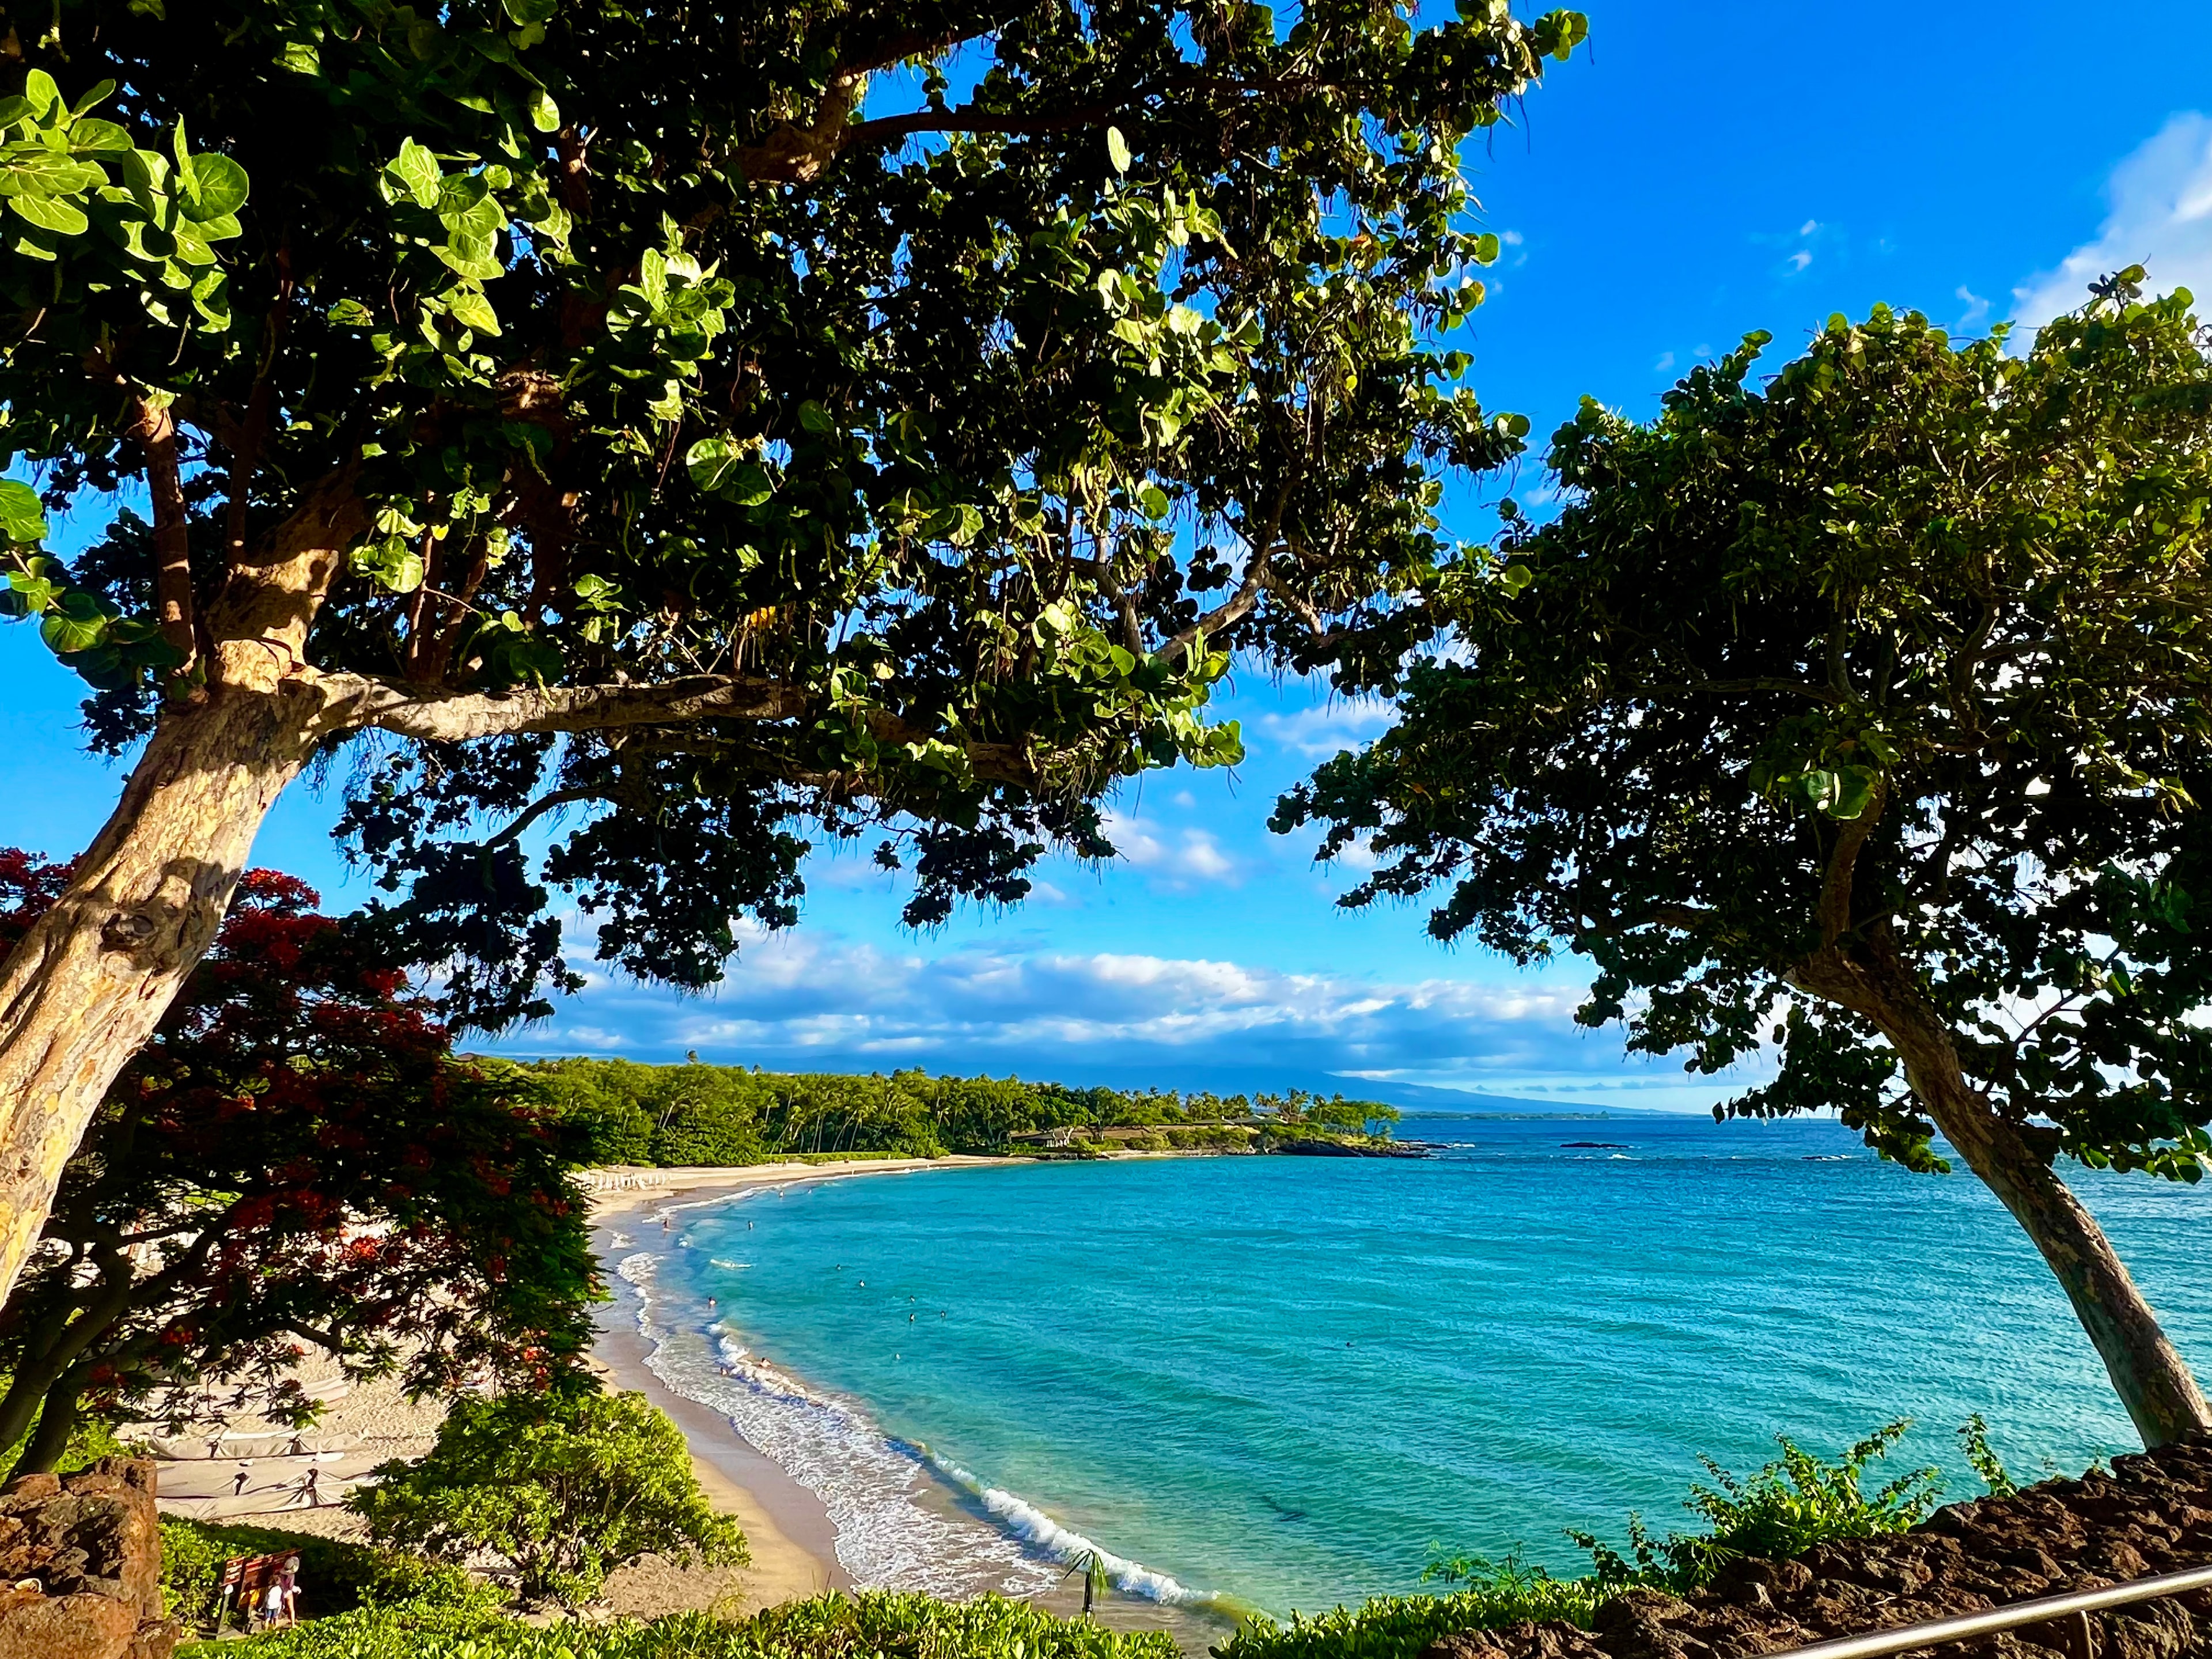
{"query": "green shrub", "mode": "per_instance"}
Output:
(335, 1577)
(567, 1486)
(1789, 1505)
(832, 1626)
(1490, 1594)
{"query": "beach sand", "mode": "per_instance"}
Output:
(788, 1531)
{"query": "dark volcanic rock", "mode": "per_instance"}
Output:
(81, 1565)
(2152, 1514)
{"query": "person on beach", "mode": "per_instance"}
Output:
(238, 1481)
(710, 1304)
(311, 1489)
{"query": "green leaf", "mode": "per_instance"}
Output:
(526, 12)
(22, 515)
(468, 306)
(1117, 149)
(416, 171)
(78, 622)
(39, 88)
(220, 188)
(544, 114)
(50, 212)
(35, 170)
(97, 137)
(95, 95)
(470, 255)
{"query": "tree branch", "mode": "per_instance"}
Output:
(429, 716)
(153, 429)
(245, 445)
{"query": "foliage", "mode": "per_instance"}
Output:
(335, 1577)
(566, 1485)
(713, 1115)
(718, 455)
(1934, 602)
(1982, 1458)
(1786, 1507)
(831, 1627)
(1490, 1594)
(1864, 716)
(294, 1158)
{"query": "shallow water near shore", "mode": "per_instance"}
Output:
(1275, 1383)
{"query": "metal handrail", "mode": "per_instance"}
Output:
(1935, 1632)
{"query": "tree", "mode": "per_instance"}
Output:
(293, 1161)
(613, 409)
(568, 1485)
(1864, 715)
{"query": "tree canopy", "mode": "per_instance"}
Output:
(567, 1486)
(295, 1162)
(720, 425)
(1862, 719)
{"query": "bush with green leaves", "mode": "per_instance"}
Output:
(1790, 1504)
(336, 1577)
(832, 1626)
(1490, 1595)
(566, 1485)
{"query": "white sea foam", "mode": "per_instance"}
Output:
(887, 1537)
(1035, 1528)
(729, 1267)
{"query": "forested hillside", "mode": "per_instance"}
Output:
(698, 1114)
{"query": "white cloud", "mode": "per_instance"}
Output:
(1800, 258)
(2160, 216)
(1322, 731)
(813, 1000)
(1977, 306)
(1808, 227)
(1175, 855)
(1666, 361)
(1511, 238)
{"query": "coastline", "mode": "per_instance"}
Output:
(789, 1530)
(794, 1538)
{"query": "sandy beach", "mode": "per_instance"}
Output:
(793, 1543)
(788, 1533)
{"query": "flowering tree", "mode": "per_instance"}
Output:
(294, 1162)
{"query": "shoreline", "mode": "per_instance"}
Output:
(789, 1530)
(792, 1536)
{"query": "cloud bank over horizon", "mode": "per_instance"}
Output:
(815, 999)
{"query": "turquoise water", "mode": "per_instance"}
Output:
(1282, 1379)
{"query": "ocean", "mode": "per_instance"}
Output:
(1280, 1383)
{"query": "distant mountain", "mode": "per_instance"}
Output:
(1418, 1100)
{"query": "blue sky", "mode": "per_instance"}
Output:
(1701, 171)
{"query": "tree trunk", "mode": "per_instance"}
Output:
(56, 1422)
(2152, 1379)
(86, 985)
